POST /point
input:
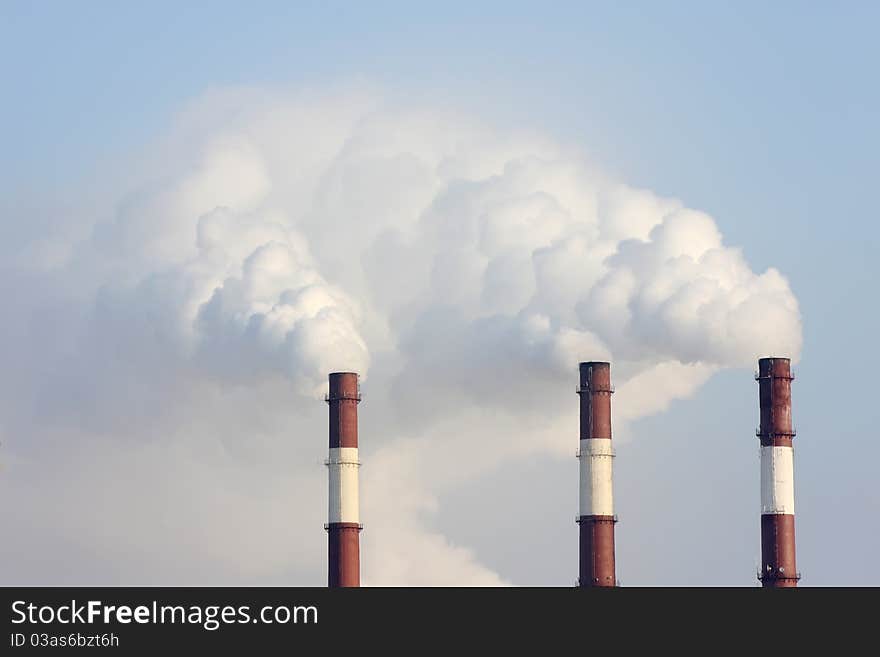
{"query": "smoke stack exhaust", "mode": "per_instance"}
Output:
(778, 565)
(343, 526)
(596, 518)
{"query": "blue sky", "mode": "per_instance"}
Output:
(762, 114)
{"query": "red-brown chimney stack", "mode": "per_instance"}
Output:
(343, 526)
(778, 565)
(596, 517)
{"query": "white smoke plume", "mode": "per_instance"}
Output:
(184, 342)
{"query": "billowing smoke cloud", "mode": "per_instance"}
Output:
(464, 273)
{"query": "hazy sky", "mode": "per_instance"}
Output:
(444, 193)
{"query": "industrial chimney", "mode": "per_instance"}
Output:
(596, 518)
(778, 566)
(343, 526)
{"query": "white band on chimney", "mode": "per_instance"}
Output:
(343, 464)
(777, 480)
(596, 497)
